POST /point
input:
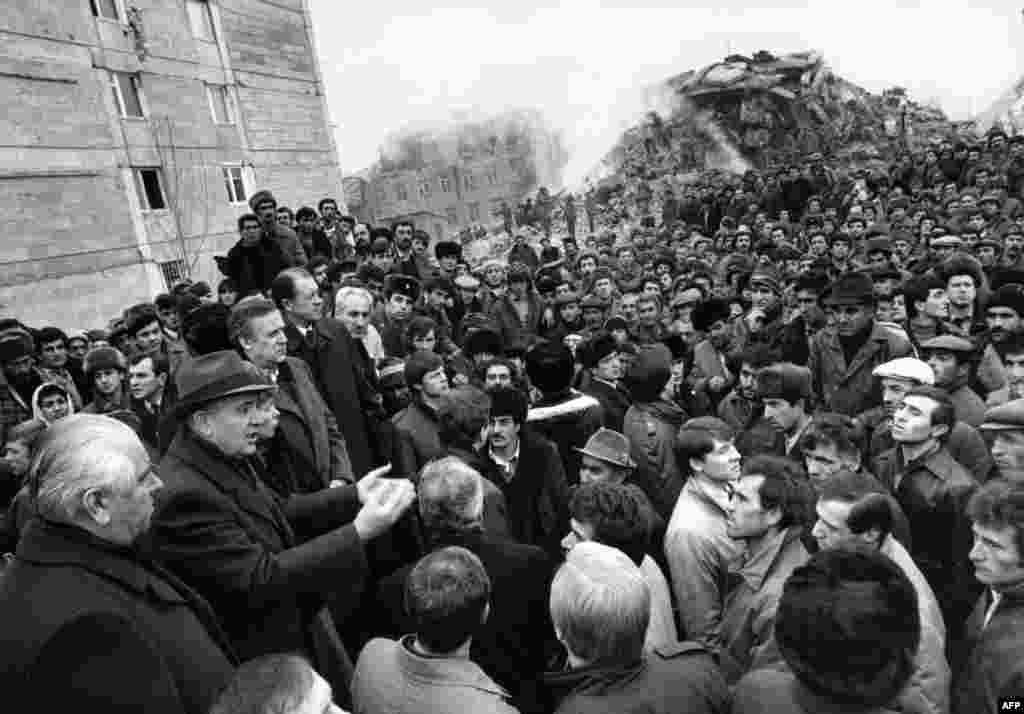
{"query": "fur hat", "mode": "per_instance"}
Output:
(419, 364)
(103, 358)
(649, 373)
(549, 365)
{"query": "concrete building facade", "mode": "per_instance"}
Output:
(451, 181)
(135, 130)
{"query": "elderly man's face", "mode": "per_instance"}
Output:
(235, 424)
(354, 314)
(266, 344)
(129, 503)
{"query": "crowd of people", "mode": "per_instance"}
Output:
(754, 444)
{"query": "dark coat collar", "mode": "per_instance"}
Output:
(239, 480)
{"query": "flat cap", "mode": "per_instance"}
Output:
(786, 381)
(856, 288)
(906, 368)
(567, 298)
(880, 244)
(947, 242)
(467, 282)
(1005, 416)
(1011, 296)
(402, 285)
(764, 276)
(593, 301)
(951, 343)
(380, 245)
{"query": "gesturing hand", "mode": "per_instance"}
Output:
(385, 503)
(369, 482)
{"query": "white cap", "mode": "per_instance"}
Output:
(906, 368)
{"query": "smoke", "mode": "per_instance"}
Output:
(534, 147)
(596, 143)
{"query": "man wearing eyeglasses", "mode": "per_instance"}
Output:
(87, 620)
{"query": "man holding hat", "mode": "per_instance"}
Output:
(1005, 426)
(843, 356)
(263, 563)
(950, 358)
(400, 295)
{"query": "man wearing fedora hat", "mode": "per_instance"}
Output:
(265, 564)
(844, 355)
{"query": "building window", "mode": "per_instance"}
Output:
(127, 95)
(200, 18)
(403, 195)
(150, 187)
(221, 105)
(174, 272)
(492, 176)
(453, 215)
(234, 181)
(474, 211)
(438, 231)
(467, 181)
(424, 189)
(446, 184)
(108, 10)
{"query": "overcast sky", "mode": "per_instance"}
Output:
(387, 63)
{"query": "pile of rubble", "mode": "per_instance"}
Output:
(774, 109)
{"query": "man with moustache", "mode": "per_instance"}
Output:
(843, 357)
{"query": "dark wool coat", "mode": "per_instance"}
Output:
(263, 563)
(338, 370)
(88, 626)
(317, 453)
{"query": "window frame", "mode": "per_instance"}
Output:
(446, 184)
(425, 188)
(452, 214)
(207, 14)
(468, 182)
(119, 10)
(143, 194)
(114, 78)
(492, 176)
(230, 113)
(229, 183)
(401, 192)
(474, 210)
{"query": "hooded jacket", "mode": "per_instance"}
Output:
(37, 412)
